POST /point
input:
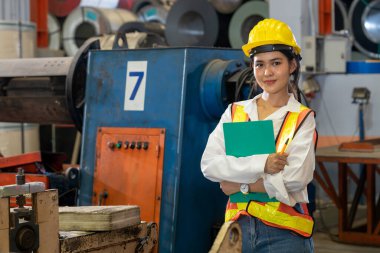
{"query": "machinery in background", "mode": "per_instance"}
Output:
(147, 118)
(45, 90)
(35, 228)
(23, 228)
(46, 168)
(52, 90)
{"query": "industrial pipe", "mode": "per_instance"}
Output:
(45, 90)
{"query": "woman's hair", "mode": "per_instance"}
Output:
(294, 77)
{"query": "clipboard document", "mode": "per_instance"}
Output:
(249, 138)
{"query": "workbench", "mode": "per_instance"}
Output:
(369, 234)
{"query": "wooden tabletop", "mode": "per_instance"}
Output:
(333, 154)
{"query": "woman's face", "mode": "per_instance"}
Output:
(272, 71)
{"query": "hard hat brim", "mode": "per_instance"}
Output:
(247, 48)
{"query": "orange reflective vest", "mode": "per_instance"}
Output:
(272, 212)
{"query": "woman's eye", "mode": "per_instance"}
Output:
(276, 63)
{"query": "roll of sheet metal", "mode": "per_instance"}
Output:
(364, 19)
(14, 44)
(139, 4)
(226, 6)
(244, 18)
(87, 22)
(192, 23)
(151, 13)
(15, 10)
(54, 30)
(62, 8)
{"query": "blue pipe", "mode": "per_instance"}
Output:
(361, 123)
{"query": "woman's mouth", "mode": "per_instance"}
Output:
(269, 82)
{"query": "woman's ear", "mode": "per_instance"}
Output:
(293, 66)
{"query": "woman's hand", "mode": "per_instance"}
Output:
(229, 187)
(275, 163)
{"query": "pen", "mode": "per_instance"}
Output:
(284, 147)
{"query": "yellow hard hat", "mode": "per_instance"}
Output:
(270, 32)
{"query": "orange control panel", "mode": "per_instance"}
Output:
(128, 169)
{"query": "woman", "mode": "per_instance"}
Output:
(274, 217)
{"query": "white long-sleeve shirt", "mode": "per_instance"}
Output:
(287, 186)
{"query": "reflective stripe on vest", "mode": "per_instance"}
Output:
(275, 214)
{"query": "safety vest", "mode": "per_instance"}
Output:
(272, 212)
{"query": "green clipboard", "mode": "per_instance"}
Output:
(249, 138)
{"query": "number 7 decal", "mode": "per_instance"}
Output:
(135, 84)
(140, 76)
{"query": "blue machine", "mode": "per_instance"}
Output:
(180, 90)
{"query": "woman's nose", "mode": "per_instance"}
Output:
(268, 71)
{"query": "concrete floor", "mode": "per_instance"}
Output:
(326, 232)
(323, 243)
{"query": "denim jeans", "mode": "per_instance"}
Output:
(261, 238)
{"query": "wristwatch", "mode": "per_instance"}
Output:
(244, 188)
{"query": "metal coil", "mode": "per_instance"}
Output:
(152, 13)
(54, 30)
(87, 22)
(226, 6)
(244, 18)
(139, 4)
(363, 19)
(192, 23)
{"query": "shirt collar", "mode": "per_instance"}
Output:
(250, 106)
